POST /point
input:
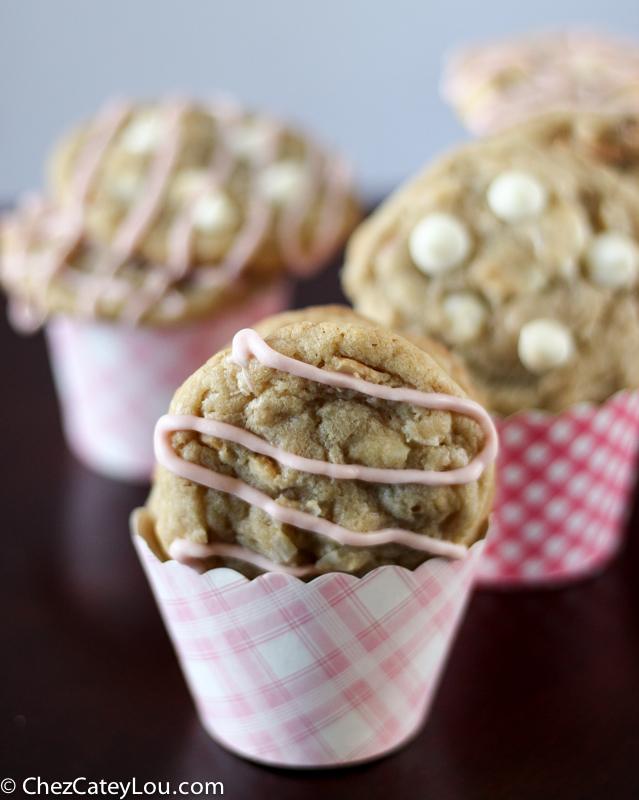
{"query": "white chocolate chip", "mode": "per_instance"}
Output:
(545, 344)
(214, 212)
(438, 243)
(249, 139)
(613, 260)
(516, 196)
(143, 133)
(282, 182)
(465, 314)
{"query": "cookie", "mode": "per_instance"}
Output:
(498, 84)
(324, 446)
(608, 140)
(170, 211)
(523, 260)
(343, 314)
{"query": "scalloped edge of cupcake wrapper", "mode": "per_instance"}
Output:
(337, 671)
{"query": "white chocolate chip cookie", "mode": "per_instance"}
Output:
(334, 434)
(152, 200)
(523, 260)
(497, 84)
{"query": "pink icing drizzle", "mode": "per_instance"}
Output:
(258, 215)
(70, 223)
(248, 343)
(181, 230)
(331, 215)
(67, 224)
(550, 78)
(144, 212)
(192, 554)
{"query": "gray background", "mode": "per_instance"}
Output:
(363, 74)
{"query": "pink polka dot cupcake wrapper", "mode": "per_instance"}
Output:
(565, 489)
(114, 381)
(332, 672)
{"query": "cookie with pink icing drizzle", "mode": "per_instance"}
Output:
(497, 84)
(170, 211)
(327, 446)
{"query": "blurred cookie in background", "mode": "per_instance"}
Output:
(500, 83)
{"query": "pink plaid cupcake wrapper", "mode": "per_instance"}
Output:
(565, 486)
(115, 381)
(332, 672)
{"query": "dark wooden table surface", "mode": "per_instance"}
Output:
(540, 698)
